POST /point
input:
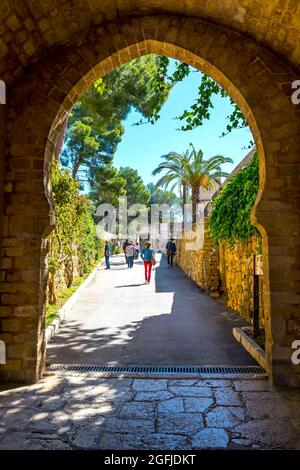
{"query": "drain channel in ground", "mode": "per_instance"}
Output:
(198, 371)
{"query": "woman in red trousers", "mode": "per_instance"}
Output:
(147, 256)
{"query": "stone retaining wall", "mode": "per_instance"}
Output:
(224, 269)
(237, 277)
(201, 265)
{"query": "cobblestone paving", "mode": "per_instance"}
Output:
(88, 412)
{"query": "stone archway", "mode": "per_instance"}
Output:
(256, 79)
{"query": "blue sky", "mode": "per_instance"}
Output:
(142, 146)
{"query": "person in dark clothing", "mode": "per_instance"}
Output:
(107, 253)
(125, 245)
(171, 252)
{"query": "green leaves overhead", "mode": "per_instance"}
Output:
(107, 185)
(95, 126)
(174, 168)
(200, 111)
(204, 173)
(159, 196)
(82, 146)
(136, 191)
(190, 169)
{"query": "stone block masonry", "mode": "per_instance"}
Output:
(201, 265)
(225, 269)
(237, 277)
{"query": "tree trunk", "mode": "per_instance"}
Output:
(184, 201)
(195, 202)
(75, 169)
(60, 140)
(51, 288)
(69, 271)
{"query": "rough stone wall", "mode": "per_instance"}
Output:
(237, 277)
(29, 28)
(202, 264)
(2, 165)
(229, 271)
(63, 274)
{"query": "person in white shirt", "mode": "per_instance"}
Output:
(129, 251)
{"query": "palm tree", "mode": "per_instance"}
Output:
(203, 174)
(174, 164)
(190, 169)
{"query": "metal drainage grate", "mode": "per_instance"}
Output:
(158, 369)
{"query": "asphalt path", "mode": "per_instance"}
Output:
(121, 321)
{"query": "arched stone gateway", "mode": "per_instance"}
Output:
(259, 81)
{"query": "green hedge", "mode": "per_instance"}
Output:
(74, 234)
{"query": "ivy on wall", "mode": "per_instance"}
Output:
(230, 218)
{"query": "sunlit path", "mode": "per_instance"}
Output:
(120, 320)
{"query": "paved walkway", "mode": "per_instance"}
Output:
(119, 320)
(88, 412)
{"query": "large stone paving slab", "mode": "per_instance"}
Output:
(158, 395)
(227, 397)
(149, 385)
(186, 424)
(197, 405)
(129, 426)
(210, 438)
(165, 441)
(191, 391)
(138, 410)
(225, 417)
(269, 433)
(174, 405)
(85, 412)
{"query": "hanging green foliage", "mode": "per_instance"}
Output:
(200, 111)
(230, 218)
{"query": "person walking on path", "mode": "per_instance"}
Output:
(137, 250)
(171, 252)
(129, 251)
(125, 245)
(107, 253)
(147, 256)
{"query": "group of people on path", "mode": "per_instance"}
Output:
(132, 250)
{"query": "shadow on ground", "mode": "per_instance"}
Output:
(196, 331)
(88, 412)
